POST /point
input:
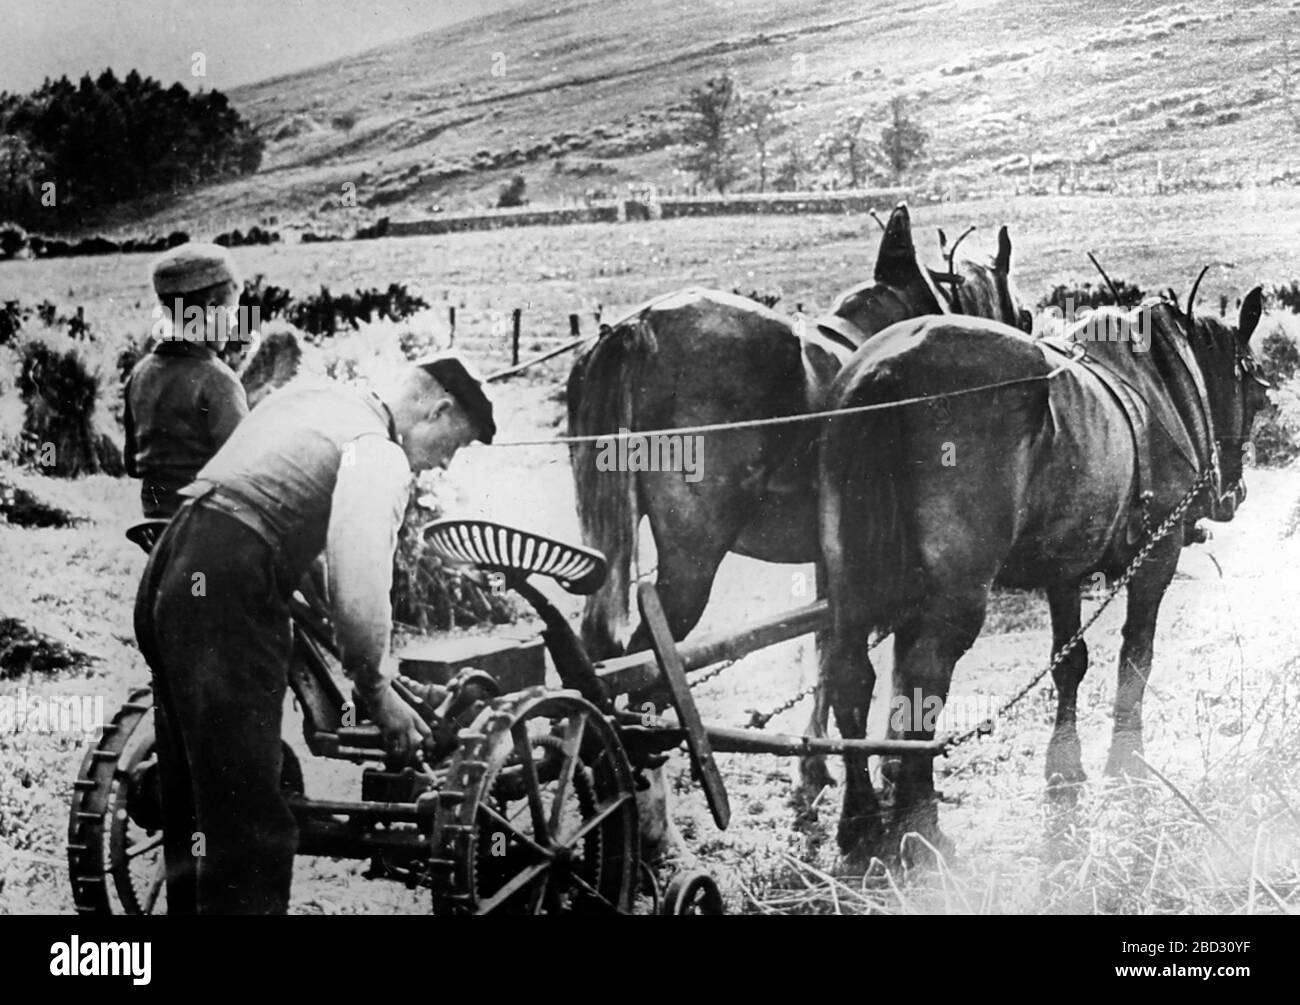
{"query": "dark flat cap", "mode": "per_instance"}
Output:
(464, 384)
(193, 266)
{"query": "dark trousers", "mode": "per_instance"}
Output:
(212, 620)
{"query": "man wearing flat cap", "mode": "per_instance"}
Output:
(182, 401)
(311, 470)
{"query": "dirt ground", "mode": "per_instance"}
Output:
(1224, 688)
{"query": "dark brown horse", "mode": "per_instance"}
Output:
(1042, 482)
(701, 357)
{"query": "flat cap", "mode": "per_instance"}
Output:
(189, 267)
(464, 384)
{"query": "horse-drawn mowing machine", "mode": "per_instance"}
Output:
(523, 800)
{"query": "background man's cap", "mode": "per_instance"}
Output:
(190, 267)
(464, 384)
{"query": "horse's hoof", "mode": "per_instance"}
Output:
(860, 840)
(814, 776)
(1064, 788)
(926, 849)
(1126, 762)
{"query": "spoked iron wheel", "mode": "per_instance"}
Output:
(115, 863)
(538, 813)
(115, 852)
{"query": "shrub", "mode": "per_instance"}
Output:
(512, 194)
(1087, 295)
(24, 650)
(13, 239)
(61, 395)
(430, 596)
(1277, 430)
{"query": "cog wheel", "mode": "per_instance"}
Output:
(538, 813)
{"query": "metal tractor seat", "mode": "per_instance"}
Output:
(146, 533)
(507, 549)
(516, 660)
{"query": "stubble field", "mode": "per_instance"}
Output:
(1221, 713)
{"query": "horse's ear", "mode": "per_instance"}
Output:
(1251, 310)
(896, 259)
(1003, 261)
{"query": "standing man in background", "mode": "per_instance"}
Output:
(182, 401)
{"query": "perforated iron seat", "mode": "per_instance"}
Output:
(146, 533)
(497, 547)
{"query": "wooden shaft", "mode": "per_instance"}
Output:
(639, 671)
(726, 740)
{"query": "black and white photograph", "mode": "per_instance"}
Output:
(679, 457)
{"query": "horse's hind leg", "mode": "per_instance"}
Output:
(1064, 770)
(692, 534)
(849, 678)
(1145, 591)
(926, 649)
(813, 773)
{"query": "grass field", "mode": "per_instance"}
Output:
(1222, 715)
(552, 271)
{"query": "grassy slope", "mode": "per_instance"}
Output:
(1098, 84)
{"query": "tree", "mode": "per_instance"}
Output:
(902, 142)
(1288, 77)
(760, 119)
(709, 135)
(512, 194)
(20, 169)
(792, 168)
(844, 144)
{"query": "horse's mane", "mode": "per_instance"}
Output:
(987, 292)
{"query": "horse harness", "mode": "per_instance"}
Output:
(1139, 413)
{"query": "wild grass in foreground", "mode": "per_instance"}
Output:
(1226, 844)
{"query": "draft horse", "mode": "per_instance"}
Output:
(1038, 483)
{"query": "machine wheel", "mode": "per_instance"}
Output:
(692, 893)
(538, 813)
(115, 830)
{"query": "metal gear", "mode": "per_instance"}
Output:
(507, 837)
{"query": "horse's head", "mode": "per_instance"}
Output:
(985, 289)
(901, 288)
(1235, 386)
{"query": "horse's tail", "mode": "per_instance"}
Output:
(602, 392)
(869, 538)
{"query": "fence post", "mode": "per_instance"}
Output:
(599, 309)
(451, 321)
(573, 326)
(516, 314)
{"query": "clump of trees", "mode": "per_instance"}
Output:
(68, 150)
(724, 127)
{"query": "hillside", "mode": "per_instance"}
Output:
(585, 95)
